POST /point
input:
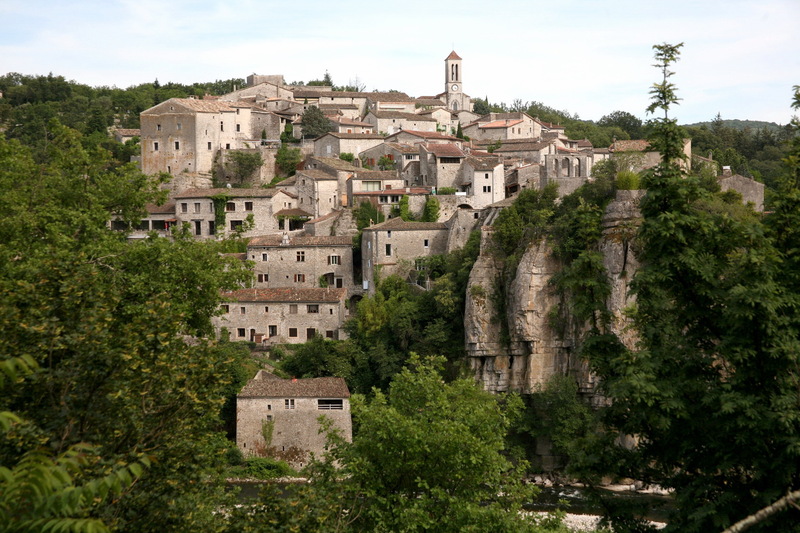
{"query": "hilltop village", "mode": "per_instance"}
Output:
(395, 152)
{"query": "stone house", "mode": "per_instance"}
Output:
(280, 417)
(401, 153)
(445, 120)
(503, 127)
(348, 125)
(527, 150)
(160, 219)
(751, 190)
(483, 179)
(197, 208)
(439, 164)
(392, 246)
(370, 181)
(428, 137)
(391, 122)
(259, 92)
(302, 261)
(184, 135)
(317, 192)
(283, 315)
(123, 135)
(332, 144)
(636, 155)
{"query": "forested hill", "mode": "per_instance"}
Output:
(739, 125)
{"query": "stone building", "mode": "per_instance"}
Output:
(302, 261)
(333, 144)
(280, 417)
(439, 164)
(504, 127)
(453, 95)
(392, 246)
(390, 122)
(184, 135)
(751, 190)
(267, 208)
(483, 179)
(281, 316)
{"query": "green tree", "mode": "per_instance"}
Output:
(242, 165)
(430, 213)
(627, 122)
(107, 321)
(386, 163)
(711, 389)
(315, 123)
(287, 159)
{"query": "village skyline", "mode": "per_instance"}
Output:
(587, 59)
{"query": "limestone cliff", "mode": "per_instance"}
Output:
(535, 350)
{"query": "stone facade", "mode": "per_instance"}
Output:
(281, 316)
(390, 122)
(503, 127)
(751, 190)
(333, 144)
(392, 246)
(287, 412)
(195, 207)
(302, 261)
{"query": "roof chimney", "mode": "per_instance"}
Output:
(726, 171)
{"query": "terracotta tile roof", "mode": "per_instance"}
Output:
(194, 104)
(630, 146)
(585, 143)
(528, 146)
(426, 135)
(302, 240)
(376, 175)
(166, 209)
(549, 125)
(398, 224)
(334, 107)
(350, 122)
(404, 148)
(401, 115)
(444, 150)
(483, 163)
(353, 135)
(315, 174)
(232, 192)
(266, 385)
(501, 124)
(286, 295)
(429, 101)
(403, 190)
(453, 55)
(293, 212)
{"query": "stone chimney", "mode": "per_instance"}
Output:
(726, 171)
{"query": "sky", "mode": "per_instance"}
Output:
(740, 59)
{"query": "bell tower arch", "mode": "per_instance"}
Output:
(453, 81)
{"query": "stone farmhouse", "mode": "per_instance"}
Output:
(302, 261)
(391, 122)
(284, 315)
(280, 417)
(333, 144)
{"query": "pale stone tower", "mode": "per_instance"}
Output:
(454, 91)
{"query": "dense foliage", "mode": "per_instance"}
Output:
(710, 392)
(104, 323)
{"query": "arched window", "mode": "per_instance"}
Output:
(455, 105)
(566, 167)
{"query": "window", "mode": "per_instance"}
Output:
(269, 417)
(243, 310)
(221, 126)
(178, 126)
(371, 186)
(288, 404)
(486, 175)
(383, 199)
(334, 260)
(330, 405)
(487, 188)
(299, 278)
(240, 332)
(301, 257)
(450, 160)
(293, 332)
(230, 206)
(227, 146)
(263, 278)
(209, 146)
(248, 206)
(225, 308)
(212, 227)
(177, 145)
(238, 126)
(198, 227)
(197, 207)
(312, 308)
(292, 309)
(273, 331)
(236, 224)
(425, 243)
(264, 256)
(388, 234)
(184, 207)
(158, 127)
(266, 309)
(329, 334)
(388, 250)
(155, 146)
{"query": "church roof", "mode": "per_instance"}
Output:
(453, 55)
(269, 385)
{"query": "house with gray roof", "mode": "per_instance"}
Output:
(279, 418)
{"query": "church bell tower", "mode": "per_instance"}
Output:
(453, 85)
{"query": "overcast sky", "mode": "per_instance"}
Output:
(740, 58)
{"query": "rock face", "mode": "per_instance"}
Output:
(535, 349)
